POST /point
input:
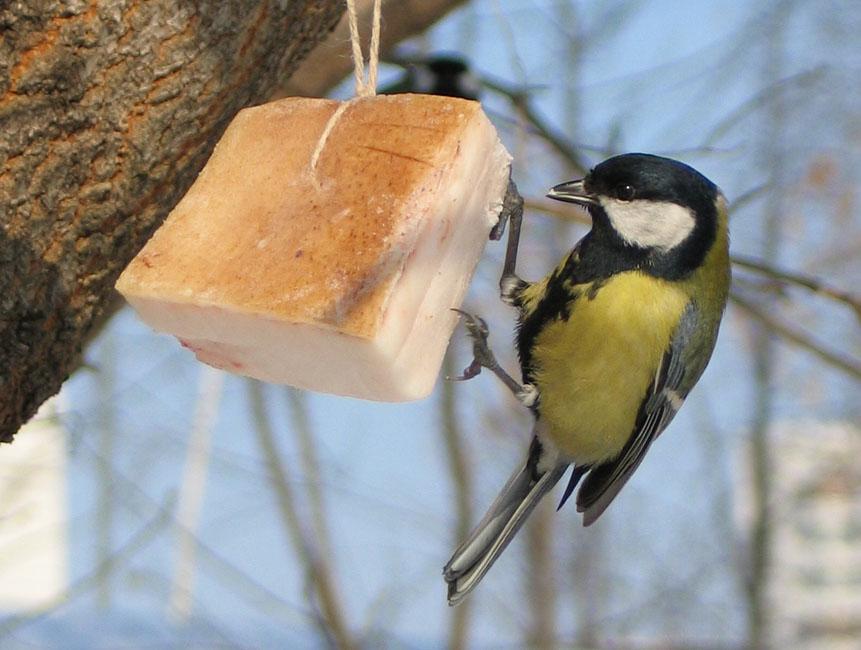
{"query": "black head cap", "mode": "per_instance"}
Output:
(633, 176)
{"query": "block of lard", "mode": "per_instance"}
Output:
(327, 253)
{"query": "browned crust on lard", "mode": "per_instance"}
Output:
(262, 232)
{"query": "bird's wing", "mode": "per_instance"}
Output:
(672, 383)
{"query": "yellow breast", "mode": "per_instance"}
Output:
(593, 369)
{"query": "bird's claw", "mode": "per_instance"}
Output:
(478, 331)
(472, 370)
(498, 230)
(476, 326)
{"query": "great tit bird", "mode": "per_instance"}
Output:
(610, 342)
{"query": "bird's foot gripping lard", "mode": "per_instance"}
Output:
(483, 357)
(512, 210)
(510, 286)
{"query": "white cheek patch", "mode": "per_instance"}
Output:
(649, 224)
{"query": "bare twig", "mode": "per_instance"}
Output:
(311, 467)
(849, 366)
(193, 489)
(747, 197)
(333, 624)
(769, 94)
(760, 546)
(541, 579)
(800, 280)
(108, 431)
(461, 477)
(521, 101)
(238, 581)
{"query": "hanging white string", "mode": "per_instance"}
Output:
(324, 136)
(374, 56)
(365, 88)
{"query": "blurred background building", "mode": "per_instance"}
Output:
(34, 516)
(814, 583)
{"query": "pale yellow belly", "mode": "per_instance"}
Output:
(593, 370)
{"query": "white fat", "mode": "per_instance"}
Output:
(649, 224)
(402, 361)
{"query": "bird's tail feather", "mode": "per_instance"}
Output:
(484, 545)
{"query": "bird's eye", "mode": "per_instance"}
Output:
(626, 192)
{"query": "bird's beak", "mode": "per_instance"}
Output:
(572, 192)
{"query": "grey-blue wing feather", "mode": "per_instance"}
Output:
(681, 367)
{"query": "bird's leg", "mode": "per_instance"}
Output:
(483, 357)
(510, 284)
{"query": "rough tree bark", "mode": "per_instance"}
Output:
(108, 109)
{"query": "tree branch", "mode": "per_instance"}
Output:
(800, 280)
(850, 366)
(333, 623)
(522, 102)
(300, 424)
(461, 478)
